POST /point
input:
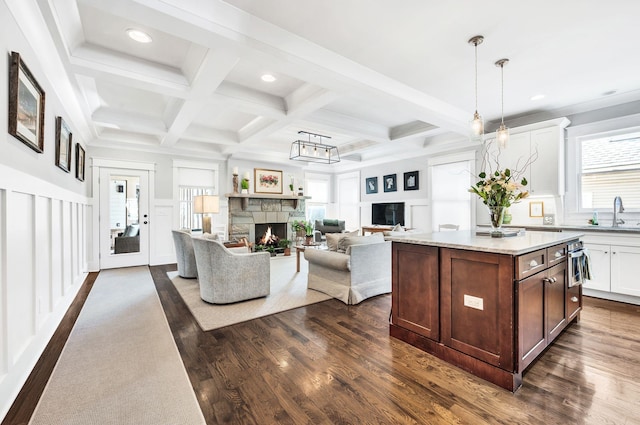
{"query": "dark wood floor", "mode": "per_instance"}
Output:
(336, 364)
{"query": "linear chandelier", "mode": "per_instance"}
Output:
(306, 150)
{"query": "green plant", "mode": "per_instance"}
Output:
(259, 248)
(270, 249)
(308, 229)
(501, 189)
(284, 243)
(298, 225)
(244, 183)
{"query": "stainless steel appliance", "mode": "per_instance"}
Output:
(577, 263)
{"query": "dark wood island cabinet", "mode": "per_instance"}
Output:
(487, 306)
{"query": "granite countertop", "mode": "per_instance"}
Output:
(582, 228)
(468, 240)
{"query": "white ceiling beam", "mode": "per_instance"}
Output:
(200, 133)
(128, 121)
(301, 102)
(231, 95)
(345, 124)
(212, 72)
(411, 130)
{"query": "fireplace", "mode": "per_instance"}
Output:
(251, 221)
(270, 234)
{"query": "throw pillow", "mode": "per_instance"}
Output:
(330, 222)
(210, 236)
(334, 239)
(341, 246)
(362, 240)
(397, 228)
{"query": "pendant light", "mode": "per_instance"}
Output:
(502, 135)
(477, 123)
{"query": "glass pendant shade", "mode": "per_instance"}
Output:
(477, 125)
(502, 136)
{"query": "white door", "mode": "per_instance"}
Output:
(124, 218)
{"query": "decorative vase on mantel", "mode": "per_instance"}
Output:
(496, 216)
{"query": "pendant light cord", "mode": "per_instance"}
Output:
(502, 90)
(476, 49)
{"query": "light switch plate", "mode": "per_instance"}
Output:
(473, 302)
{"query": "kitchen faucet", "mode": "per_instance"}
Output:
(617, 208)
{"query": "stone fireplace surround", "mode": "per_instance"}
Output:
(245, 211)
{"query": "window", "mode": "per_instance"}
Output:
(188, 219)
(450, 178)
(318, 189)
(610, 167)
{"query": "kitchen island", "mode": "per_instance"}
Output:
(487, 305)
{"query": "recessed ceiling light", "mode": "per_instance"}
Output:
(537, 97)
(139, 36)
(268, 78)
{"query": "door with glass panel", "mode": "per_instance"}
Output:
(124, 218)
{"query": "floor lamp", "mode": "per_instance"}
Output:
(206, 204)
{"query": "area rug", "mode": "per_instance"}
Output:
(120, 364)
(288, 291)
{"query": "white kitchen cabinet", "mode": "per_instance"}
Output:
(625, 269)
(600, 255)
(545, 141)
(615, 266)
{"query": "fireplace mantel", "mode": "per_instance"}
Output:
(245, 197)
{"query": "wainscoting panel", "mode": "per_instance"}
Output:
(43, 248)
(3, 286)
(162, 250)
(21, 276)
(43, 260)
(56, 253)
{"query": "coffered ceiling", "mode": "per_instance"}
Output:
(384, 79)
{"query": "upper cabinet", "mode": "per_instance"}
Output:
(543, 144)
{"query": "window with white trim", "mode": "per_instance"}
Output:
(609, 167)
(189, 219)
(318, 190)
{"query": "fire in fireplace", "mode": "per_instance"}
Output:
(270, 234)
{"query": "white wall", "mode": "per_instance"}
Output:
(44, 225)
(416, 202)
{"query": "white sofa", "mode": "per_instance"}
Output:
(362, 271)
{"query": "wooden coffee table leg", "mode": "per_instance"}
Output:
(298, 251)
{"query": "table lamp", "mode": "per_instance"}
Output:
(206, 204)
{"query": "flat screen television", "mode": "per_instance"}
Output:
(387, 214)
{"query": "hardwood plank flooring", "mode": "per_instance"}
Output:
(337, 364)
(329, 363)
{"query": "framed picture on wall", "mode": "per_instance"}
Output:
(80, 162)
(390, 183)
(411, 181)
(372, 184)
(63, 145)
(267, 181)
(536, 209)
(26, 105)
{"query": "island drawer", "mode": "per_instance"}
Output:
(557, 254)
(531, 263)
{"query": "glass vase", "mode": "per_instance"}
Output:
(496, 216)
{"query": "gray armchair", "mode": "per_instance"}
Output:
(226, 277)
(322, 227)
(185, 257)
(129, 241)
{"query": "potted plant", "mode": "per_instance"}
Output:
(286, 245)
(271, 250)
(245, 185)
(308, 233)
